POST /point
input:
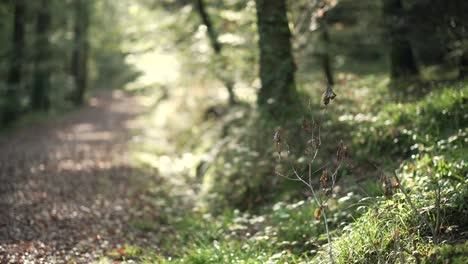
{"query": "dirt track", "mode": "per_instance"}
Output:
(67, 185)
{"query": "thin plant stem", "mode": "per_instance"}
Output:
(437, 226)
(330, 249)
(308, 181)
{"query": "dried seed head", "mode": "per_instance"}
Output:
(341, 152)
(387, 185)
(312, 146)
(328, 95)
(395, 184)
(305, 125)
(324, 180)
(315, 124)
(316, 142)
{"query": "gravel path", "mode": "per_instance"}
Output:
(68, 189)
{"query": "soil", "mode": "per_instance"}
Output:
(68, 187)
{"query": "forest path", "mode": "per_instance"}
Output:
(68, 187)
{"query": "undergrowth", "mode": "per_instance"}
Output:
(422, 140)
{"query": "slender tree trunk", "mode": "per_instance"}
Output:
(403, 63)
(277, 65)
(464, 65)
(326, 65)
(461, 27)
(12, 105)
(79, 67)
(200, 6)
(217, 48)
(40, 92)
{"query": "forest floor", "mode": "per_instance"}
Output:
(69, 189)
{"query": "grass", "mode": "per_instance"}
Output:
(285, 232)
(228, 162)
(398, 128)
(457, 254)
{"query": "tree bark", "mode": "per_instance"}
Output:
(277, 65)
(12, 105)
(40, 93)
(461, 28)
(403, 63)
(326, 65)
(217, 48)
(464, 65)
(79, 67)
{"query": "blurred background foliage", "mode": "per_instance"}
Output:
(107, 64)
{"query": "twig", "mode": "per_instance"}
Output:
(286, 177)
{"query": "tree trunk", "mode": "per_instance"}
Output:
(40, 92)
(217, 48)
(326, 65)
(79, 67)
(461, 28)
(403, 64)
(12, 105)
(464, 65)
(277, 65)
